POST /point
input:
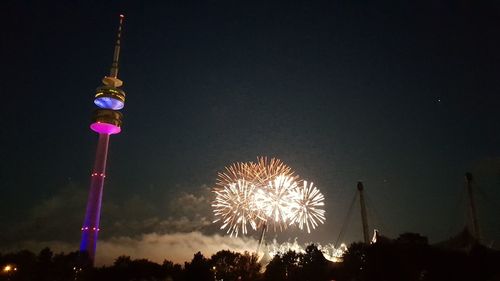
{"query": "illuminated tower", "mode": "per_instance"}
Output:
(106, 121)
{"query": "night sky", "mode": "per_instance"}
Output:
(403, 96)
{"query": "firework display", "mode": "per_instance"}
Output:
(265, 193)
(306, 209)
(266, 171)
(276, 200)
(235, 207)
(235, 172)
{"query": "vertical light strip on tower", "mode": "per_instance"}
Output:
(106, 121)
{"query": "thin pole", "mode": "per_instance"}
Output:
(364, 218)
(116, 54)
(261, 239)
(346, 220)
(472, 206)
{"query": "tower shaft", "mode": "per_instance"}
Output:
(364, 218)
(90, 227)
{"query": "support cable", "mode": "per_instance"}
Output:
(346, 220)
(375, 215)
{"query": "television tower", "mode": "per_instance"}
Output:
(106, 121)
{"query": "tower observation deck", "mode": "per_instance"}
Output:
(106, 121)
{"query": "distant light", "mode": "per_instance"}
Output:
(122, 16)
(9, 268)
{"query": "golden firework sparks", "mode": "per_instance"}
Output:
(262, 193)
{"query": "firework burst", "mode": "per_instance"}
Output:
(265, 192)
(266, 170)
(235, 207)
(276, 200)
(306, 205)
(235, 172)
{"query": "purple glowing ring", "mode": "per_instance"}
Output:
(105, 128)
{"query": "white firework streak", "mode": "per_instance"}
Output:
(305, 208)
(234, 206)
(275, 200)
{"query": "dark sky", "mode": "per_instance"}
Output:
(403, 96)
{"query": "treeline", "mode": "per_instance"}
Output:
(409, 257)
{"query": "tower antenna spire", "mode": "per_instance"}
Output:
(112, 80)
(116, 56)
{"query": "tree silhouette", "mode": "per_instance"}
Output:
(407, 258)
(293, 269)
(248, 267)
(230, 266)
(44, 265)
(198, 269)
(285, 267)
(314, 265)
(275, 270)
(354, 261)
(172, 271)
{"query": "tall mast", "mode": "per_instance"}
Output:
(261, 239)
(112, 80)
(116, 55)
(364, 218)
(472, 206)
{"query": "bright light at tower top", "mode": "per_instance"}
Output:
(271, 195)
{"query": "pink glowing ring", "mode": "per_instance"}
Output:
(105, 128)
